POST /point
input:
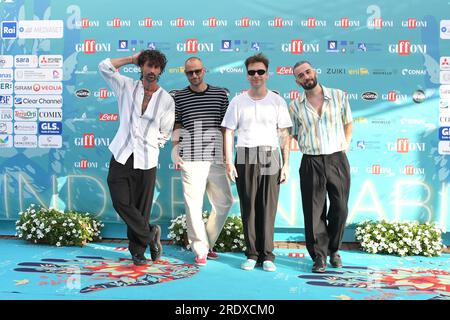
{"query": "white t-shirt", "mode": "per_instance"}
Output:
(257, 121)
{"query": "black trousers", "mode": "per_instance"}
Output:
(319, 176)
(132, 196)
(258, 189)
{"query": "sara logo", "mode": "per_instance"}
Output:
(50, 127)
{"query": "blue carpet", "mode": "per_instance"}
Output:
(104, 271)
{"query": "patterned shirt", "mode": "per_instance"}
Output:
(323, 134)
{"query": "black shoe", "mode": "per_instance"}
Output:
(155, 243)
(319, 265)
(139, 260)
(335, 260)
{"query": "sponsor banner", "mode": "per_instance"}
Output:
(6, 141)
(444, 133)
(50, 115)
(26, 61)
(108, 116)
(38, 74)
(444, 91)
(51, 128)
(6, 87)
(444, 63)
(445, 29)
(444, 119)
(6, 101)
(9, 30)
(82, 93)
(40, 29)
(6, 61)
(444, 147)
(49, 141)
(25, 141)
(6, 128)
(6, 75)
(444, 77)
(38, 88)
(38, 101)
(6, 115)
(25, 127)
(51, 61)
(25, 114)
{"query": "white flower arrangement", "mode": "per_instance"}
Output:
(231, 239)
(400, 238)
(54, 227)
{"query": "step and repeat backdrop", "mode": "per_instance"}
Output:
(57, 115)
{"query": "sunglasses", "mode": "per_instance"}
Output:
(253, 72)
(191, 73)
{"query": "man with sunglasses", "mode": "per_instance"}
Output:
(262, 120)
(198, 152)
(147, 115)
(323, 127)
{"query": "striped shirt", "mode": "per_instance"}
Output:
(324, 134)
(139, 134)
(200, 115)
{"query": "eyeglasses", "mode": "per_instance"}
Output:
(191, 73)
(253, 72)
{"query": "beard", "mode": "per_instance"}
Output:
(310, 84)
(150, 77)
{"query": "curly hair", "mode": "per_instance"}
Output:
(155, 57)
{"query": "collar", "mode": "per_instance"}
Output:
(326, 94)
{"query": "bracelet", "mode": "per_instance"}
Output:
(132, 60)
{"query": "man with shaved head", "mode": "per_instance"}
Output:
(323, 128)
(198, 152)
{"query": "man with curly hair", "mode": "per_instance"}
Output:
(147, 114)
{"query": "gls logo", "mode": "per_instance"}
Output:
(50, 127)
(444, 133)
(9, 29)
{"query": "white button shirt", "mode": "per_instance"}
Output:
(257, 121)
(140, 135)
